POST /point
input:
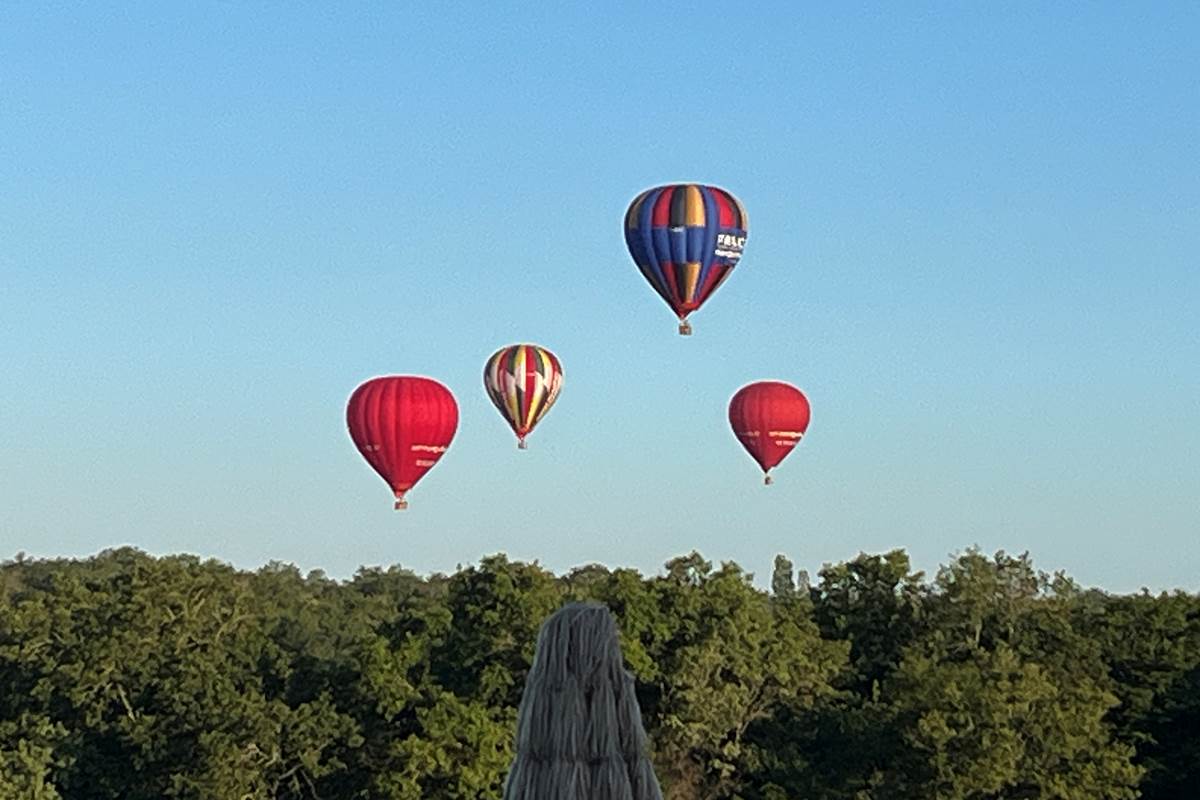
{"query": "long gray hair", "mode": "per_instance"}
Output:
(579, 728)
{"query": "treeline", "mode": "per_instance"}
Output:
(127, 676)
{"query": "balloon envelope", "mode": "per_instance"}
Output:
(402, 425)
(769, 418)
(523, 381)
(685, 238)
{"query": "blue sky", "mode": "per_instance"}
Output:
(973, 243)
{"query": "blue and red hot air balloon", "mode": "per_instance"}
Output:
(686, 238)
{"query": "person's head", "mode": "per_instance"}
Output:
(579, 640)
(579, 728)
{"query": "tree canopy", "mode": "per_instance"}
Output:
(129, 676)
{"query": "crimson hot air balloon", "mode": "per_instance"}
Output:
(402, 425)
(686, 238)
(523, 381)
(769, 418)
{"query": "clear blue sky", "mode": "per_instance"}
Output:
(974, 244)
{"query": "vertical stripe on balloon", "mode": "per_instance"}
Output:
(662, 207)
(695, 206)
(691, 273)
(742, 221)
(679, 207)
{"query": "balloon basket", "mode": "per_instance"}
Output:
(767, 480)
(401, 504)
(685, 328)
(521, 444)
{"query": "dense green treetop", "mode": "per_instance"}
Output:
(134, 677)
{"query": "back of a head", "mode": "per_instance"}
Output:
(579, 640)
(579, 729)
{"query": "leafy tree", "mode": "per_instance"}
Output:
(30, 756)
(727, 659)
(133, 677)
(496, 610)
(874, 603)
(986, 724)
(1001, 696)
(1150, 647)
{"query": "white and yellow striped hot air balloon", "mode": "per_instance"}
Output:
(523, 381)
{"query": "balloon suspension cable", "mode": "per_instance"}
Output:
(685, 328)
(521, 443)
(767, 480)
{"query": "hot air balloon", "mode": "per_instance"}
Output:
(402, 425)
(685, 238)
(523, 381)
(769, 418)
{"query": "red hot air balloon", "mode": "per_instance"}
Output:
(769, 418)
(402, 425)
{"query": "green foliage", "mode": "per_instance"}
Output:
(1001, 697)
(1151, 650)
(127, 676)
(875, 604)
(991, 724)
